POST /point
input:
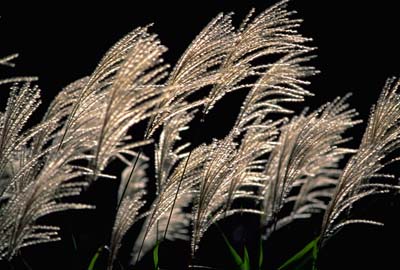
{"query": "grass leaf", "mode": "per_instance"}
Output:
(246, 260)
(155, 255)
(94, 258)
(261, 255)
(235, 255)
(309, 249)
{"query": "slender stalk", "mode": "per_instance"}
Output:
(196, 138)
(129, 179)
(144, 238)
(176, 195)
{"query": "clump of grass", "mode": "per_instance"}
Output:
(268, 157)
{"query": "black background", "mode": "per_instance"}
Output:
(358, 48)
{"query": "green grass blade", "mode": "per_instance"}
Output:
(304, 264)
(94, 258)
(155, 256)
(246, 260)
(315, 255)
(308, 250)
(235, 255)
(261, 255)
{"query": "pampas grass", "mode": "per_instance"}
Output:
(269, 157)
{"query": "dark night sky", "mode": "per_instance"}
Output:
(357, 50)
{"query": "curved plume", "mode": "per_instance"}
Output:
(307, 148)
(128, 212)
(131, 98)
(381, 138)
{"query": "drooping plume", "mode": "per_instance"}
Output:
(309, 147)
(381, 138)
